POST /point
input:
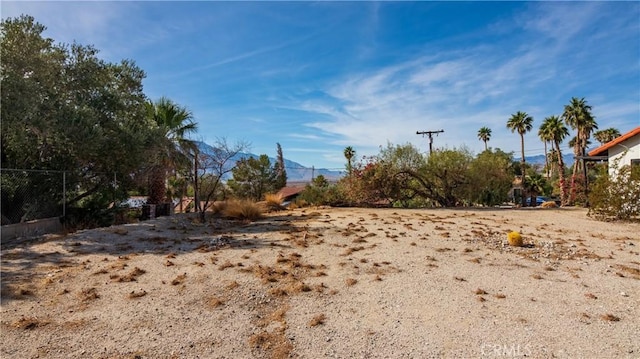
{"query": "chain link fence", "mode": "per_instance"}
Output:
(37, 194)
(31, 194)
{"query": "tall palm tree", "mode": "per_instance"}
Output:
(577, 114)
(545, 136)
(484, 135)
(522, 123)
(173, 123)
(558, 132)
(606, 135)
(349, 153)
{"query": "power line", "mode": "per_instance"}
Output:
(430, 134)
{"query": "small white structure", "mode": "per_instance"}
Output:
(624, 150)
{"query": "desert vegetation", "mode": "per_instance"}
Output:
(316, 281)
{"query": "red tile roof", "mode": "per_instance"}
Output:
(290, 191)
(604, 148)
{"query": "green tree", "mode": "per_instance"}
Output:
(65, 109)
(253, 178)
(279, 167)
(491, 177)
(484, 135)
(606, 135)
(522, 123)
(577, 115)
(172, 149)
(349, 154)
(557, 133)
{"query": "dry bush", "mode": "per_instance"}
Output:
(549, 204)
(273, 202)
(218, 206)
(242, 209)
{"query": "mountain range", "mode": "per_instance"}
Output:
(299, 173)
(295, 171)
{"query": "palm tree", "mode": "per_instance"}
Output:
(607, 135)
(484, 135)
(349, 153)
(535, 187)
(545, 136)
(577, 114)
(173, 123)
(557, 133)
(522, 123)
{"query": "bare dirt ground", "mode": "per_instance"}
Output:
(327, 282)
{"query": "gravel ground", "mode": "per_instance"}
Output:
(329, 282)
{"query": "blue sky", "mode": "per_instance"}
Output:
(319, 76)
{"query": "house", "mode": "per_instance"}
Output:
(623, 150)
(290, 193)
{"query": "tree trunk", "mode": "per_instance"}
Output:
(158, 186)
(524, 199)
(561, 179)
(546, 160)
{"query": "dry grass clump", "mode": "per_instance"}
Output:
(515, 239)
(610, 317)
(89, 294)
(273, 202)
(135, 294)
(131, 276)
(242, 209)
(215, 302)
(634, 272)
(275, 343)
(317, 320)
(28, 323)
(179, 279)
(350, 282)
(549, 204)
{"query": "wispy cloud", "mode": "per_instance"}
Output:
(460, 90)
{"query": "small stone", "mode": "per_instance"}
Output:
(624, 294)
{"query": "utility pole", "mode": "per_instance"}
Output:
(430, 134)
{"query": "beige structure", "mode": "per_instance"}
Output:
(624, 150)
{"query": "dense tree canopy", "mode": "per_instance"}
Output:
(63, 108)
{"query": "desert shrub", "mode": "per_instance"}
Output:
(616, 197)
(273, 202)
(514, 239)
(549, 204)
(242, 209)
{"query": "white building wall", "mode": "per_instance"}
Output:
(622, 154)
